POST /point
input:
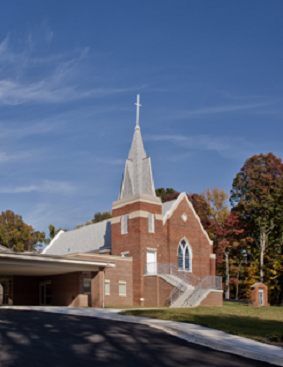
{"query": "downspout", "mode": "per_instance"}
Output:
(103, 285)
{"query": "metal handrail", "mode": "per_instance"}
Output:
(159, 268)
(207, 283)
(200, 285)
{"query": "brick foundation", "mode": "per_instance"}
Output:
(214, 298)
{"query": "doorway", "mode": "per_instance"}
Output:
(151, 262)
(6, 290)
(45, 293)
(260, 297)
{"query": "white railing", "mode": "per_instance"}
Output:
(200, 285)
(210, 282)
(171, 269)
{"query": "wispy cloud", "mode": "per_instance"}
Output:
(225, 145)
(5, 157)
(57, 78)
(255, 108)
(48, 186)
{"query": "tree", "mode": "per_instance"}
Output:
(53, 232)
(17, 235)
(199, 203)
(231, 239)
(98, 217)
(217, 202)
(257, 195)
(161, 192)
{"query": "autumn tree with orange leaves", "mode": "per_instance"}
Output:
(17, 235)
(257, 196)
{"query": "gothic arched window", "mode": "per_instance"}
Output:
(184, 256)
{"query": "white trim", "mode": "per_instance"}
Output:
(115, 220)
(169, 213)
(151, 222)
(53, 240)
(158, 216)
(138, 214)
(212, 256)
(37, 259)
(125, 252)
(135, 198)
(152, 249)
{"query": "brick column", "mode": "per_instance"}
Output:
(97, 289)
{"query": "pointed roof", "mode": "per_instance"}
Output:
(137, 177)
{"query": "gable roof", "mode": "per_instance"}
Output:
(85, 239)
(174, 205)
(137, 177)
(167, 206)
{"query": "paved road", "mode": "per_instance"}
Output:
(42, 339)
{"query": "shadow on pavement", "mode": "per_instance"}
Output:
(44, 339)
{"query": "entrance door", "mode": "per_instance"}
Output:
(260, 295)
(45, 293)
(151, 262)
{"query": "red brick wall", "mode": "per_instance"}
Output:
(122, 272)
(136, 242)
(166, 240)
(150, 291)
(164, 292)
(156, 291)
(64, 287)
(255, 295)
(176, 229)
(213, 299)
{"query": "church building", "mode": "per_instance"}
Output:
(148, 254)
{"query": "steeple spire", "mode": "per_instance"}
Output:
(137, 177)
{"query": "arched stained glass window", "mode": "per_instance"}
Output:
(184, 256)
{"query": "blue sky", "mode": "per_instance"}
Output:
(211, 83)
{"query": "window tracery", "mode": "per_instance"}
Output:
(184, 256)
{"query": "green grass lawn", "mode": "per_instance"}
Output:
(261, 323)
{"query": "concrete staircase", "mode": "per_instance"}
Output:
(175, 281)
(184, 289)
(184, 294)
(180, 301)
(189, 289)
(196, 297)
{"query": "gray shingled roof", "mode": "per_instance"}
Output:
(5, 249)
(89, 238)
(86, 239)
(137, 177)
(167, 206)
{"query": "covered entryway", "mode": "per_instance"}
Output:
(31, 279)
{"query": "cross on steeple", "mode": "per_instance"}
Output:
(138, 111)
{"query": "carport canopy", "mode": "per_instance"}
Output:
(29, 264)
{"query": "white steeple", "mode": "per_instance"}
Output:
(137, 177)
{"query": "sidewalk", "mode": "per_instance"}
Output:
(211, 338)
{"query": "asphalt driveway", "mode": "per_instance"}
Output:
(43, 339)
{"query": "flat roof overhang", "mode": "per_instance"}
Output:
(40, 265)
